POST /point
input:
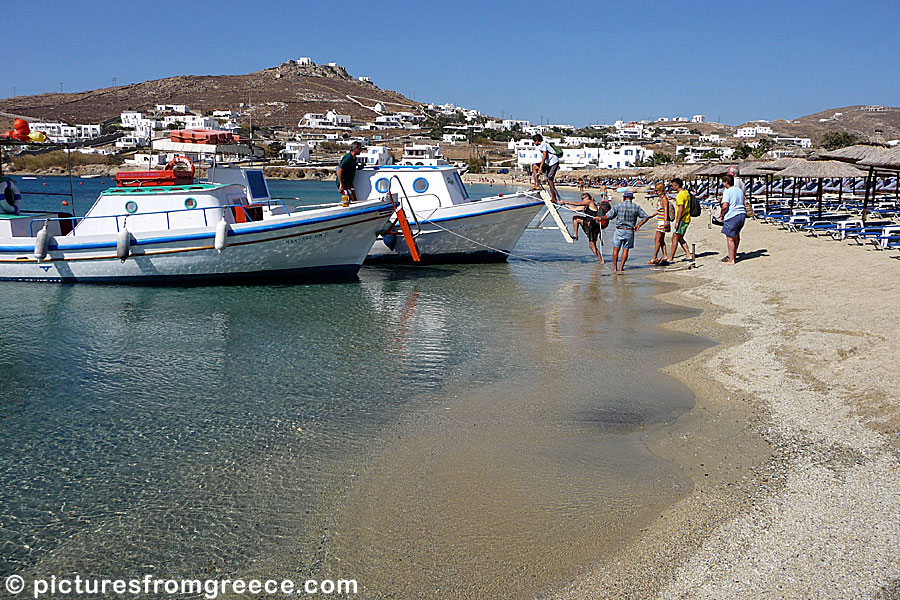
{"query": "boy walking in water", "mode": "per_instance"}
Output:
(626, 214)
(682, 219)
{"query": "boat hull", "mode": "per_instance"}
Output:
(313, 246)
(481, 231)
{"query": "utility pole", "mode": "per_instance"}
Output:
(114, 82)
(60, 87)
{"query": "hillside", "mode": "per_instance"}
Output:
(872, 126)
(280, 96)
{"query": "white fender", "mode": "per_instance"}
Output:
(221, 235)
(42, 244)
(123, 244)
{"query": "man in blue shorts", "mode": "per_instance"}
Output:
(626, 214)
(733, 214)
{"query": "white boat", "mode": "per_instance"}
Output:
(448, 225)
(190, 233)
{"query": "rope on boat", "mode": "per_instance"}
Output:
(468, 239)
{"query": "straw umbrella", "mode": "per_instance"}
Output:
(752, 171)
(819, 169)
(778, 165)
(853, 154)
(885, 159)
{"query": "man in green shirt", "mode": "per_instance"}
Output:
(346, 171)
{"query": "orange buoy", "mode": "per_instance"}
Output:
(65, 202)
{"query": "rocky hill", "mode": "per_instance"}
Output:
(870, 125)
(279, 96)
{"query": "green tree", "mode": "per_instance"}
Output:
(475, 163)
(838, 139)
(742, 151)
(763, 146)
(274, 149)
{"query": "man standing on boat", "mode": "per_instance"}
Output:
(346, 171)
(549, 165)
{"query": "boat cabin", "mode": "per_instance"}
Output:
(426, 187)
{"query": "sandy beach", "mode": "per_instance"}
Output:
(794, 441)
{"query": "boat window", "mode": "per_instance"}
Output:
(462, 186)
(382, 185)
(190, 203)
(420, 185)
(131, 207)
(257, 184)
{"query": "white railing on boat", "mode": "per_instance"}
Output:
(74, 220)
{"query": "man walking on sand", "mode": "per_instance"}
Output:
(626, 214)
(682, 219)
(549, 165)
(733, 214)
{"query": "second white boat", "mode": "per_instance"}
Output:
(448, 224)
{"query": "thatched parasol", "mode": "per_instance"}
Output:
(781, 163)
(852, 154)
(820, 169)
(885, 158)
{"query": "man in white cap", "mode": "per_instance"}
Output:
(738, 182)
(627, 214)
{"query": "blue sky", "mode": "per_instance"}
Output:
(571, 62)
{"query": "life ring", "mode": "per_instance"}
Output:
(10, 197)
(181, 160)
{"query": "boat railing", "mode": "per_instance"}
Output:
(75, 220)
(408, 204)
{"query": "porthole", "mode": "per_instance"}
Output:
(190, 203)
(131, 207)
(383, 185)
(420, 185)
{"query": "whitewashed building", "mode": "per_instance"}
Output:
(453, 138)
(175, 108)
(622, 157)
(512, 123)
(133, 139)
(752, 131)
(374, 156)
(698, 119)
(189, 122)
(296, 152)
(794, 141)
(329, 119)
(693, 154)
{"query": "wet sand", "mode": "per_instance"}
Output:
(806, 378)
(516, 486)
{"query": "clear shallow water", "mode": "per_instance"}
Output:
(458, 430)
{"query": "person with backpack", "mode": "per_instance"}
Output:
(549, 165)
(593, 228)
(683, 210)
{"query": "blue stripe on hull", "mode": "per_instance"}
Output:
(206, 235)
(326, 274)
